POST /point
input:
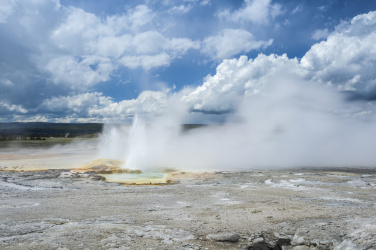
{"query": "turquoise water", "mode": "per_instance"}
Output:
(142, 178)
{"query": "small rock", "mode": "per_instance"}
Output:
(257, 244)
(230, 237)
(66, 174)
(258, 240)
(299, 248)
(97, 178)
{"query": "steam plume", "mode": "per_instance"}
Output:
(290, 124)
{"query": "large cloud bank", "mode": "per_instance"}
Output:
(55, 55)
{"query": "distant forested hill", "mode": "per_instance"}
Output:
(41, 129)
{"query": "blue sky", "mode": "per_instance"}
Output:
(105, 61)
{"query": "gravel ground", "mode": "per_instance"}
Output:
(284, 209)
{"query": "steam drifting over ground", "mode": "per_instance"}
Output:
(291, 123)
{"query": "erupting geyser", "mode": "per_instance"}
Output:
(137, 144)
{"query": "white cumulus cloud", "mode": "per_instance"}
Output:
(347, 58)
(231, 42)
(256, 11)
(95, 106)
(236, 78)
(126, 39)
(80, 72)
(7, 108)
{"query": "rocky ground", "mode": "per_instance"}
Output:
(285, 209)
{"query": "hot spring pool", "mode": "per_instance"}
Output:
(137, 178)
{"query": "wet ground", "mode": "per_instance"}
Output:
(279, 209)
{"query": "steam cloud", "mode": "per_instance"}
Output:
(293, 123)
